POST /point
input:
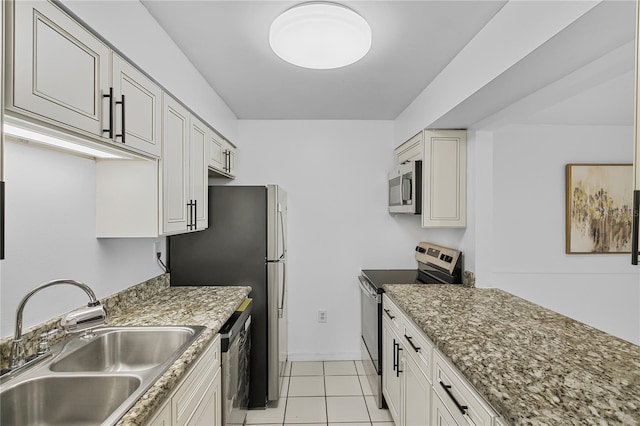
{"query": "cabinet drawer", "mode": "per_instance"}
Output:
(392, 314)
(418, 346)
(452, 388)
(193, 389)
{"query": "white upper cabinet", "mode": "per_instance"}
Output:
(60, 70)
(175, 167)
(63, 74)
(136, 108)
(444, 175)
(222, 155)
(411, 150)
(184, 170)
(198, 182)
(216, 154)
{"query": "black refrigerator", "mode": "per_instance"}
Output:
(244, 244)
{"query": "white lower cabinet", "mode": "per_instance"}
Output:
(391, 378)
(417, 394)
(462, 401)
(440, 416)
(197, 400)
(405, 385)
(420, 386)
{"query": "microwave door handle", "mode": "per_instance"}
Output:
(406, 190)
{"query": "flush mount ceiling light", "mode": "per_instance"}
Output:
(320, 35)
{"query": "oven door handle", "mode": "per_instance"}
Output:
(366, 289)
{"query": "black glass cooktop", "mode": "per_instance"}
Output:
(378, 277)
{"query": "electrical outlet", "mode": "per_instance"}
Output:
(156, 250)
(322, 316)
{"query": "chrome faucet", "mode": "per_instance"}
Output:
(79, 320)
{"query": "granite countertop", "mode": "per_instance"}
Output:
(208, 306)
(534, 366)
(154, 302)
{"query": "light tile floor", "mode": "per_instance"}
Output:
(334, 393)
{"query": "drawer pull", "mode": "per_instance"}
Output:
(386, 311)
(463, 408)
(409, 339)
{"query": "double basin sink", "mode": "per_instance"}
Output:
(93, 381)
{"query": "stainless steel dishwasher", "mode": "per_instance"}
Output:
(235, 340)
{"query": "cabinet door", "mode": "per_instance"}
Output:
(417, 395)
(197, 400)
(198, 175)
(175, 164)
(60, 70)
(411, 150)
(163, 417)
(141, 108)
(216, 153)
(209, 412)
(440, 416)
(391, 377)
(231, 160)
(444, 198)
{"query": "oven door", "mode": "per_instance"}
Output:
(369, 314)
(371, 330)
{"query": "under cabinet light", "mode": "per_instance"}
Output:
(320, 35)
(45, 139)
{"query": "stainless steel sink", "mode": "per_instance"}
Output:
(65, 400)
(125, 349)
(93, 381)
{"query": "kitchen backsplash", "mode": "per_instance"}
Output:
(114, 303)
(468, 279)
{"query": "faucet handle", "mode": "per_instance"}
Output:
(43, 346)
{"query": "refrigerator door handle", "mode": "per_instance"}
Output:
(284, 289)
(284, 240)
(635, 228)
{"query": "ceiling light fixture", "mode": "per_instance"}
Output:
(320, 35)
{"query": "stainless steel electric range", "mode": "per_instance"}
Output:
(436, 265)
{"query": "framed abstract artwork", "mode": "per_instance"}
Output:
(599, 208)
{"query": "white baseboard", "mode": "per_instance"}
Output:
(345, 356)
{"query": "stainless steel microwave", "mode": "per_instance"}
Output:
(405, 188)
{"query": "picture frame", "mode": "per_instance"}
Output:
(598, 208)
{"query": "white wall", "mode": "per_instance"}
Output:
(50, 197)
(50, 234)
(335, 175)
(526, 219)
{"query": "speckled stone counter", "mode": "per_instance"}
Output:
(155, 303)
(533, 365)
(208, 306)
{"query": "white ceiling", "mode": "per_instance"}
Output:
(412, 41)
(227, 41)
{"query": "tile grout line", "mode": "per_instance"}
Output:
(326, 401)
